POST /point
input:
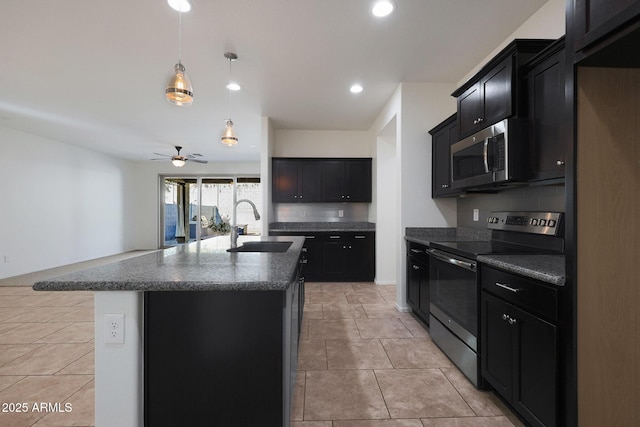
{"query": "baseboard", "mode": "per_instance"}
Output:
(385, 282)
(402, 309)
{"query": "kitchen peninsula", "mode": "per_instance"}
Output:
(209, 337)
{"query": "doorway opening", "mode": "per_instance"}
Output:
(197, 208)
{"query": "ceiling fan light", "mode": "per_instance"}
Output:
(179, 90)
(178, 162)
(180, 5)
(382, 8)
(229, 137)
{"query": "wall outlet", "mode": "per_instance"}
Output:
(476, 214)
(114, 328)
(6, 259)
(340, 213)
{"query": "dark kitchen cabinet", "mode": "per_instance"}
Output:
(595, 19)
(488, 100)
(346, 180)
(321, 180)
(296, 180)
(349, 256)
(418, 280)
(548, 113)
(337, 256)
(442, 136)
(519, 345)
(494, 93)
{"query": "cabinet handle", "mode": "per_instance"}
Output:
(301, 196)
(512, 321)
(560, 162)
(480, 120)
(342, 197)
(360, 237)
(304, 249)
(508, 288)
(344, 247)
(445, 185)
(475, 122)
(295, 197)
(415, 267)
(348, 197)
(334, 237)
(504, 316)
(350, 247)
(416, 251)
(309, 237)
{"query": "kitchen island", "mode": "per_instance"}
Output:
(209, 336)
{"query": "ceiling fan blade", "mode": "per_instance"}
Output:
(198, 161)
(160, 154)
(164, 159)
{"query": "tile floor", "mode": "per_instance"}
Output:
(364, 364)
(361, 364)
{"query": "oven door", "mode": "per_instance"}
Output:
(454, 295)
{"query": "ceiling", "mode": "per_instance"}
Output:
(93, 73)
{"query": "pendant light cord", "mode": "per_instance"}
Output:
(229, 91)
(180, 36)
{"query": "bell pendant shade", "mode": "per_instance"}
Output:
(178, 163)
(229, 137)
(179, 90)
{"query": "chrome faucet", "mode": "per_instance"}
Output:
(234, 226)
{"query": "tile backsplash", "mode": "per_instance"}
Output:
(544, 198)
(321, 212)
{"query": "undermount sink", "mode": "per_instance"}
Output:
(262, 247)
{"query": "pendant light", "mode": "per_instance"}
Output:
(229, 137)
(179, 90)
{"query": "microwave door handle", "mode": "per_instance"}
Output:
(485, 155)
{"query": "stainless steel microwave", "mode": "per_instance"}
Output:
(492, 157)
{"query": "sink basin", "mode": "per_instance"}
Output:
(262, 247)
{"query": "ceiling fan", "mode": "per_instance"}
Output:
(179, 160)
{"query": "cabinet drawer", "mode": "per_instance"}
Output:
(418, 252)
(530, 295)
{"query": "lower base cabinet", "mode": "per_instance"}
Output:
(337, 256)
(519, 356)
(418, 280)
(221, 358)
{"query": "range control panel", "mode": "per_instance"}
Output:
(548, 223)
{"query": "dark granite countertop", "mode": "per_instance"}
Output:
(425, 235)
(198, 266)
(322, 226)
(546, 268)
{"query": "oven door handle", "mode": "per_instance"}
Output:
(485, 155)
(449, 259)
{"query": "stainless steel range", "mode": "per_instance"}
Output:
(453, 279)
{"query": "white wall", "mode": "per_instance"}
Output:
(60, 204)
(547, 23)
(321, 143)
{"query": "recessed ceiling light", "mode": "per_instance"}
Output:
(382, 8)
(355, 88)
(180, 5)
(233, 86)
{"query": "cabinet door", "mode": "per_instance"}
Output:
(335, 256)
(441, 158)
(313, 256)
(535, 376)
(333, 181)
(358, 180)
(423, 298)
(549, 122)
(594, 19)
(285, 180)
(497, 94)
(361, 257)
(310, 180)
(497, 346)
(469, 110)
(413, 284)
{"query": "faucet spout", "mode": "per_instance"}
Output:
(234, 226)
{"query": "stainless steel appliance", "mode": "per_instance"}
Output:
(493, 156)
(453, 281)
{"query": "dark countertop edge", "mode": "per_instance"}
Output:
(322, 226)
(536, 267)
(291, 257)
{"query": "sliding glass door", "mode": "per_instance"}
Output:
(195, 208)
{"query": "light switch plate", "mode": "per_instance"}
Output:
(476, 214)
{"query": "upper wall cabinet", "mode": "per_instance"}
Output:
(594, 19)
(346, 180)
(297, 180)
(494, 93)
(442, 136)
(549, 121)
(308, 180)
